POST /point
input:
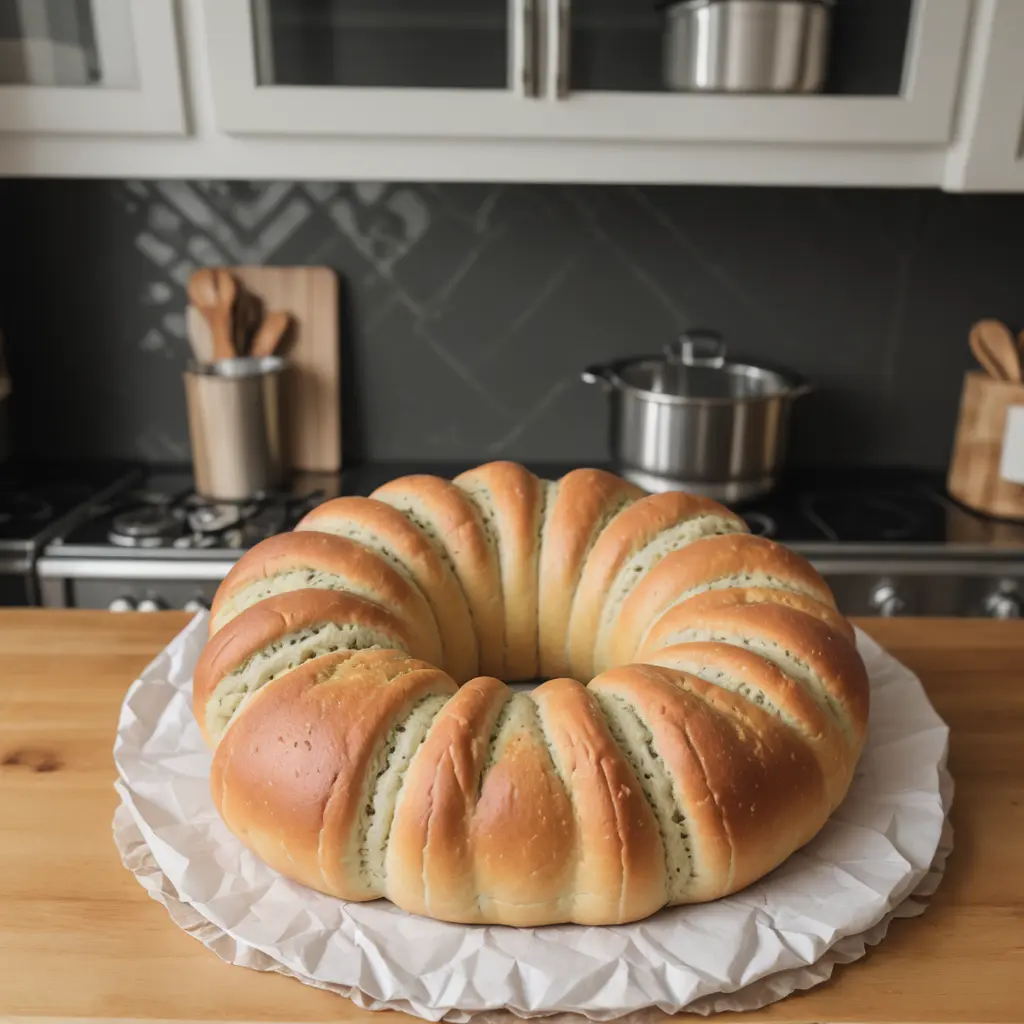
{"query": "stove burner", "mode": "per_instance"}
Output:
(877, 518)
(148, 526)
(217, 518)
(760, 523)
(23, 508)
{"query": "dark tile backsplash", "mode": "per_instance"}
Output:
(470, 309)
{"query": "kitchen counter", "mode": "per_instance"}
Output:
(80, 939)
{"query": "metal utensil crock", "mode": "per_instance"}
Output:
(747, 46)
(692, 421)
(234, 422)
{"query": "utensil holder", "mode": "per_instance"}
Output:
(234, 423)
(983, 471)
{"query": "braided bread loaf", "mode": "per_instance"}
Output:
(721, 731)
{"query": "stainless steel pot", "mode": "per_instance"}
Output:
(692, 421)
(776, 46)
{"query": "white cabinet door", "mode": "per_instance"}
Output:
(893, 74)
(90, 67)
(988, 154)
(401, 68)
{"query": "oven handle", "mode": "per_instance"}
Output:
(49, 567)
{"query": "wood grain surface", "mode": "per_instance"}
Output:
(81, 941)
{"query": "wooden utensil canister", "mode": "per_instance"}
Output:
(976, 470)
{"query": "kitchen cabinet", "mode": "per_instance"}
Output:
(84, 67)
(562, 70)
(919, 93)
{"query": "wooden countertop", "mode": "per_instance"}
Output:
(80, 940)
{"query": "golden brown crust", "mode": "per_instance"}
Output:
(584, 503)
(748, 804)
(347, 565)
(312, 735)
(514, 495)
(454, 521)
(625, 536)
(620, 864)
(766, 686)
(735, 557)
(360, 518)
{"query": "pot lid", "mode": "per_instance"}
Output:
(694, 368)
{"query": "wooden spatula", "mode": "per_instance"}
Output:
(212, 290)
(996, 350)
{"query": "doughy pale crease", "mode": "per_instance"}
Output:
(635, 741)
(386, 773)
(283, 583)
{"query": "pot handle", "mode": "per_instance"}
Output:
(697, 348)
(597, 375)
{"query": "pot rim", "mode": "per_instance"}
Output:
(608, 373)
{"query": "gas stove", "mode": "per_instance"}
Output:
(157, 544)
(37, 503)
(887, 542)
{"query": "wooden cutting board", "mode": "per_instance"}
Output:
(312, 400)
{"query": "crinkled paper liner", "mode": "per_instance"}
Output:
(878, 858)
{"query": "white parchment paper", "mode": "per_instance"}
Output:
(886, 842)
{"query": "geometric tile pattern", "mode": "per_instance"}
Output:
(469, 310)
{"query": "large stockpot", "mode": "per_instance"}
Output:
(747, 46)
(692, 421)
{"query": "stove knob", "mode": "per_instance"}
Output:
(234, 538)
(886, 600)
(195, 605)
(1003, 603)
(151, 604)
(121, 604)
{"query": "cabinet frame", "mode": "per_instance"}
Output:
(922, 115)
(155, 106)
(988, 151)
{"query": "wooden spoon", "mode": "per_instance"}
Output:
(994, 347)
(213, 292)
(274, 327)
(248, 315)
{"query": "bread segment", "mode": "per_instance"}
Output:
(723, 727)
(712, 563)
(389, 534)
(511, 504)
(320, 561)
(584, 503)
(626, 550)
(452, 523)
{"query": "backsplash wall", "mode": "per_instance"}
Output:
(469, 310)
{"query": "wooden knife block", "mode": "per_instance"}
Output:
(974, 477)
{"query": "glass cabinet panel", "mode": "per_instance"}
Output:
(67, 43)
(618, 46)
(460, 44)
